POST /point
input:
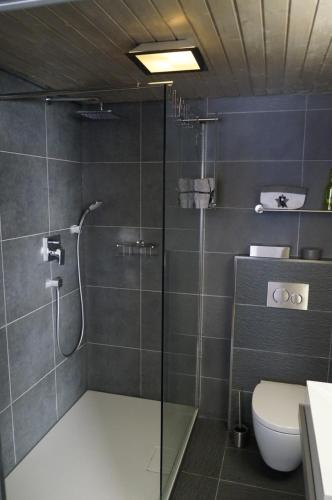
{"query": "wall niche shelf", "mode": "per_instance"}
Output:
(259, 209)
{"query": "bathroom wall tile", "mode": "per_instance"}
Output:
(316, 175)
(247, 467)
(179, 388)
(72, 380)
(63, 131)
(246, 411)
(260, 103)
(181, 218)
(118, 186)
(113, 369)
(104, 265)
(219, 274)
(178, 343)
(34, 415)
(4, 377)
(70, 324)
(25, 276)
(236, 491)
(241, 228)
(315, 233)
(254, 274)
(181, 313)
(152, 194)
(182, 272)
(179, 363)
(151, 375)
(6, 442)
(217, 317)
(250, 367)
(215, 358)
(206, 447)
(288, 331)
(2, 298)
(151, 325)
(68, 271)
(31, 349)
(23, 201)
(151, 266)
(320, 101)
(113, 316)
(152, 130)
(11, 83)
(214, 398)
(182, 240)
(23, 127)
(251, 136)
(317, 140)
(113, 140)
(249, 179)
(193, 487)
(65, 180)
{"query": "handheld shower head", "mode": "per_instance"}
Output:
(94, 205)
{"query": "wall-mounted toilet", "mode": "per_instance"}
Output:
(275, 411)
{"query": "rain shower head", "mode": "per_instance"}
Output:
(94, 205)
(97, 114)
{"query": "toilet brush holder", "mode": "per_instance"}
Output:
(240, 436)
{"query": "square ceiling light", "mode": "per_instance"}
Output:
(167, 57)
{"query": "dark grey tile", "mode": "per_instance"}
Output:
(289, 331)
(182, 239)
(182, 272)
(152, 195)
(104, 265)
(113, 140)
(176, 343)
(31, 349)
(151, 266)
(4, 377)
(34, 415)
(63, 131)
(254, 274)
(118, 186)
(2, 297)
(206, 448)
(315, 233)
(65, 180)
(23, 127)
(152, 131)
(233, 491)
(252, 136)
(24, 197)
(151, 375)
(6, 442)
(70, 324)
(247, 467)
(316, 176)
(179, 388)
(216, 355)
(68, 271)
(12, 83)
(180, 364)
(192, 487)
(317, 139)
(320, 101)
(151, 320)
(113, 369)
(22, 260)
(250, 367)
(246, 415)
(113, 316)
(217, 317)
(214, 398)
(239, 184)
(181, 313)
(182, 218)
(219, 274)
(241, 228)
(72, 380)
(261, 103)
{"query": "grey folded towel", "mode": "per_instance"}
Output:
(204, 192)
(186, 192)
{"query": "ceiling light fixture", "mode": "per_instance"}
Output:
(168, 57)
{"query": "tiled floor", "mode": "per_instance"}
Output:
(214, 470)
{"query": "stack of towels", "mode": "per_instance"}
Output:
(196, 193)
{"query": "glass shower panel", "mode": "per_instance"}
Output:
(181, 300)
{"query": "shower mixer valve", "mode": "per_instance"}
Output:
(52, 250)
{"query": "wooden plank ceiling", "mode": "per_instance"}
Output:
(251, 47)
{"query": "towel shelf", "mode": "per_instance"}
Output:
(139, 247)
(259, 209)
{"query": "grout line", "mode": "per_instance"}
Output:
(221, 467)
(37, 234)
(38, 156)
(262, 487)
(244, 304)
(302, 171)
(101, 344)
(279, 353)
(140, 255)
(7, 346)
(5, 409)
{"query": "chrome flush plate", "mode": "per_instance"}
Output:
(287, 295)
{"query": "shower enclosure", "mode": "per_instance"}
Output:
(142, 276)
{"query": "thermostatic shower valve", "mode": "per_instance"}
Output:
(52, 250)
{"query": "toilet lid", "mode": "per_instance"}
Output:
(276, 405)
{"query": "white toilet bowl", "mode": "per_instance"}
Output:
(275, 409)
